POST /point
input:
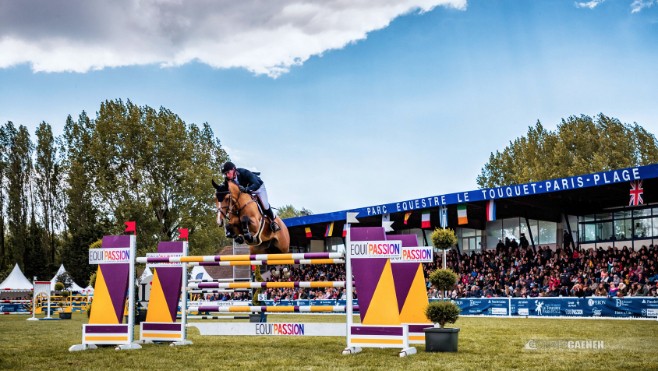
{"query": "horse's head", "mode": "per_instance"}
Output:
(221, 191)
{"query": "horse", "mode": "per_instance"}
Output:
(244, 217)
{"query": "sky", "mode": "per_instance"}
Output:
(339, 104)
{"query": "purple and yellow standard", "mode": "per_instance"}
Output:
(160, 324)
(116, 265)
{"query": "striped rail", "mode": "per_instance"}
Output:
(280, 309)
(270, 262)
(234, 258)
(271, 285)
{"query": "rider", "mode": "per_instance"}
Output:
(250, 182)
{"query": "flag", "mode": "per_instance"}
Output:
(344, 230)
(443, 216)
(130, 227)
(491, 210)
(330, 230)
(182, 234)
(426, 220)
(308, 232)
(636, 193)
(461, 215)
(406, 217)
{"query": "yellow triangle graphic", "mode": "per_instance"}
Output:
(158, 310)
(102, 309)
(383, 309)
(413, 309)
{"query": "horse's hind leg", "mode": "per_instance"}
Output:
(272, 248)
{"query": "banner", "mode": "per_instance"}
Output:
(628, 307)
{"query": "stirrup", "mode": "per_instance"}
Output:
(274, 226)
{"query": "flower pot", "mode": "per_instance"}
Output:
(65, 315)
(257, 317)
(441, 339)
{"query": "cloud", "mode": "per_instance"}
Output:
(588, 4)
(638, 5)
(262, 36)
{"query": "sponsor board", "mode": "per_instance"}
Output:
(270, 329)
(420, 254)
(375, 249)
(119, 255)
(499, 311)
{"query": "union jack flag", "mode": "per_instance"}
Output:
(636, 193)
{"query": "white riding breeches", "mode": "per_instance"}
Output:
(262, 195)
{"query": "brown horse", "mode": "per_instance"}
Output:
(245, 221)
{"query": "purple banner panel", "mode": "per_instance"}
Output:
(146, 326)
(116, 275)
(106, 329)
(376, 330)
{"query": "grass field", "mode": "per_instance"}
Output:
(484, 343)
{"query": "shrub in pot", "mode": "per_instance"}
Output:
(442, 312)
(441, 339)
(443, 238)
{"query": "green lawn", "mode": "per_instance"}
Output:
(484, 343)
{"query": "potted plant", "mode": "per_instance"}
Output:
(255, 301)
(439, 338)
(65, 311)
(443, 239)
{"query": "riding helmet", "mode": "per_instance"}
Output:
(228, 166)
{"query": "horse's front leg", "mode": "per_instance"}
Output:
(245, 221)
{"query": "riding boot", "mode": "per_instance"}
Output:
(273, 225)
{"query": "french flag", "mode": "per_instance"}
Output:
(491, 210)
(425, 221)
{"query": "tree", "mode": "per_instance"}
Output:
(289, 211)
(579, 145)
(47, 176)
(4, 153)
(83, 222)
(19, 166)
(151, 167)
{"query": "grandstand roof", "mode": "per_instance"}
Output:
(544, 200)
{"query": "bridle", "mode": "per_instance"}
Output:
(233, 207)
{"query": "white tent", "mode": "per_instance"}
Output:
(199, 273)
(74, 286)
(146, 276)
(16, 281)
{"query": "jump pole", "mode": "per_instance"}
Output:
(349, 312)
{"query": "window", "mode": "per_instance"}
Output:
(587, 232)
(619, 225)
(654, 230)
(623, 229)
(642, 212)
(547, 232)
(334, 244)
(511, 228)
(604, 231)
(494, 233)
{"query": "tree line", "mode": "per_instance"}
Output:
(58, 195)
(579, 145)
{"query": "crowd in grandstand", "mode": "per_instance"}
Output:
(511, 270)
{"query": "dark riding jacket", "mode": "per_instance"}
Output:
(249, 180)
